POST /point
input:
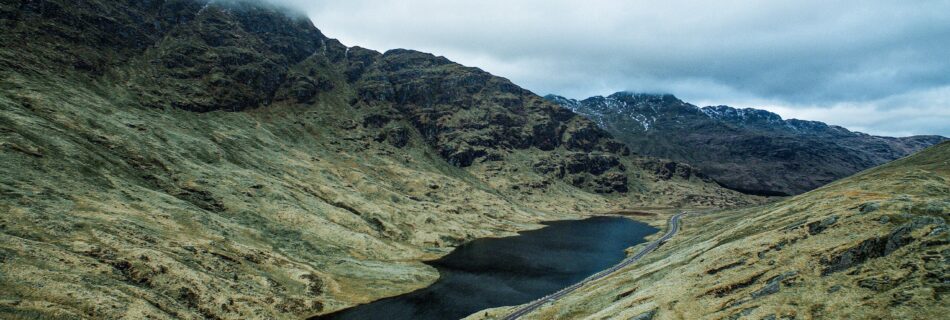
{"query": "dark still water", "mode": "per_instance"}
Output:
(488, 273)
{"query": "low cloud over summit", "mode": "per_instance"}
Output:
(875, 66)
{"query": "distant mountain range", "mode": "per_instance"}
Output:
(748, 150)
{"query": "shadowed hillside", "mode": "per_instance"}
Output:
(749, 150)
(193, 159)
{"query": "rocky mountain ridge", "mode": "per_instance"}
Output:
(749, 150)
(192, 159)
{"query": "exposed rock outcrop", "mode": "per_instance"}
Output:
(600, 172)
(748, 150)
(877, 247)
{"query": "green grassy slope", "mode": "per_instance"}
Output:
(872, 246)
(128, 189)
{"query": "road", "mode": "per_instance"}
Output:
(674, 227)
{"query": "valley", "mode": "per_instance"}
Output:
(496, 272)
(135, 186)
(206, 159)
(872, 246)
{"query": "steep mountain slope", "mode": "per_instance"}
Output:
(129, 190)
(749, 150)
(871, 246)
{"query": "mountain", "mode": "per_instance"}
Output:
(749, 150)
(871, 246)
(224, 159)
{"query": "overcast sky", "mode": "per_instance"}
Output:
(881, 67)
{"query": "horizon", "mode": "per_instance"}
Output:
(802, 60)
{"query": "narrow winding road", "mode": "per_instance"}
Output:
(674, 227)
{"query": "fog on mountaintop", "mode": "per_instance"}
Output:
(874, 66)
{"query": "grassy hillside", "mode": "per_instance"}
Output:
(194, 159)
(872, 246)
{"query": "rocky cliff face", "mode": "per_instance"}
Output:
(468, 114)
(750, 150)
(237, 55)
(224, 159)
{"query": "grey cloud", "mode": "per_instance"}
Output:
(791, 55)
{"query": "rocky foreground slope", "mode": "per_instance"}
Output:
(872, 246)
(749, 150)
(195, 159)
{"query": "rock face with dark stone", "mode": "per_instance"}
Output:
(196, 55)
(877, 247)
(600, 172)
(468, 114)
(645, 316)
(819, 226)
(773, 285)
(667, 169)
(748, 150)
(204, 56)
